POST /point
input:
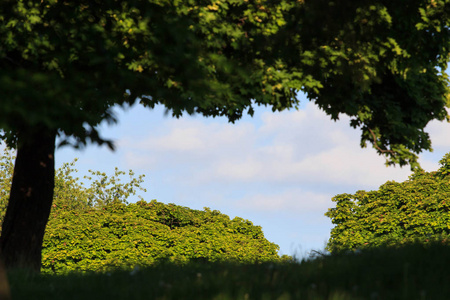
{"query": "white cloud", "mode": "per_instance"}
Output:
(294, 201)
(440, 141)
(296, 148)
(192, 136)
(181, 139)
(440, 134)
(189, 140)
(245, 170)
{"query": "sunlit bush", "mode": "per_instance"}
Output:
(123, 236)
(398, 213)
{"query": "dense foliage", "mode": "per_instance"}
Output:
(94, 228)
(80, 58)
(414, 210)
(141, 234)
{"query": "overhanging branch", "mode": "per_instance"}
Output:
(375, 143)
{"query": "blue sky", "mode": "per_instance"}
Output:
(279, 170)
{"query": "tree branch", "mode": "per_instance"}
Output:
(375, 143)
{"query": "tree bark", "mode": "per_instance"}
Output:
(30, 201)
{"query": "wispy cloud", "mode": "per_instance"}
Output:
(294, 201)
(295, 148)
(440, 134)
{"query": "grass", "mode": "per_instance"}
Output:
(410, 272)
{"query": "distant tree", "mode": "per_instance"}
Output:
(417, 210)
(65, 64)
(93, 191)
(71, 193)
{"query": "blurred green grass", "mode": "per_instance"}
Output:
(414, 271)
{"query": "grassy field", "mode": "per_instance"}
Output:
(412, 272)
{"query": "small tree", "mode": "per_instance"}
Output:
(415, 210)
(94, 191)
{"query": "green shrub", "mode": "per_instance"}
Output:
(123, 236)
(398, 213)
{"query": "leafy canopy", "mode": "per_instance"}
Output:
(64, 64)
(78, 58)
(398, 213)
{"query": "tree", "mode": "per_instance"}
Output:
(416, 210)
(65, 64)
(71, 193)
(144, 233)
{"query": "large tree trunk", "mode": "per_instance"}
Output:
(30, 201)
